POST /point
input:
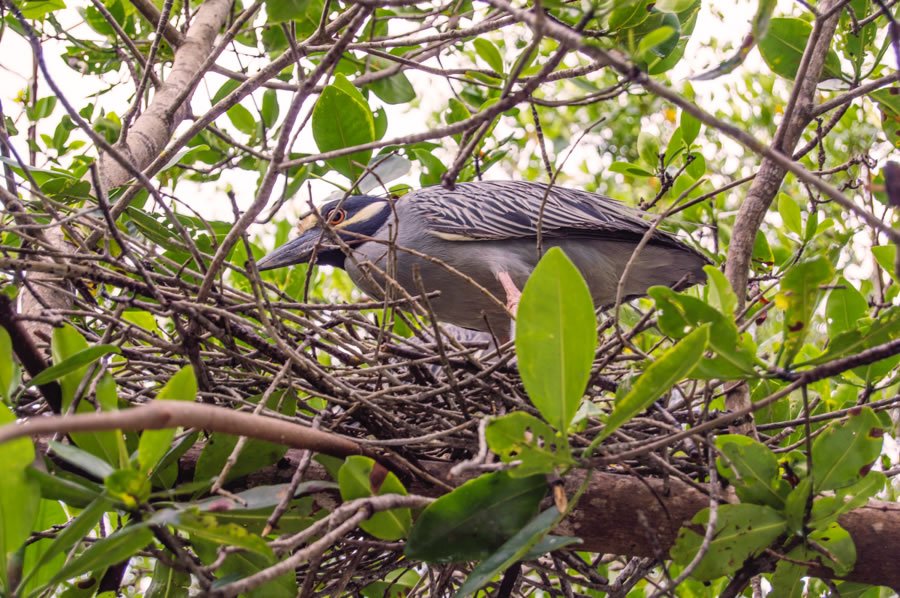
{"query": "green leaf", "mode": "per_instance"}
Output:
(81, 458)
(799, 296)
(627, 168)
(845, 306)
(672, 5)
(76, 530)
(42, 108)
(787, 581)
(751, 468)
(690, 127)
(37, 568)
(395, 89)
(520, 436)
(742, 531)
(783, 45)
(128, 486)
(7, 367)
(269, 110)
(167, 582)
(342, 118)
(110, 550)
(886, 256)
(790, 213)
(490, 54)
(361, 477)
(844, 452)
(474, 520)
(511, 551)
(648, 149)
(279, 11)
(839, 544)
(154, 444)
(630, 14)
(242, 120)
(65, 342)
(655, 38)
(659, 378)
(827, 509)
(556, 337)
(206, 526)
(73, 363)
(721, 295)
(18, 498)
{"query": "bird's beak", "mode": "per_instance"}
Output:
(296, 251)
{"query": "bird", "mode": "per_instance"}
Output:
(477, 244)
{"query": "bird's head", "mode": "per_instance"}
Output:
(357, 215)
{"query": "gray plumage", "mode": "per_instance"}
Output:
(484, 228)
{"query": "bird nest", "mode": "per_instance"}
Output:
(378, 372)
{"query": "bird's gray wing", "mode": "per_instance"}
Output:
(491, 210)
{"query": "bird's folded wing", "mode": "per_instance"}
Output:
(488, 210)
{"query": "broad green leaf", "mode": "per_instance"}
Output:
(648, 149)
(511, 551)
(244, 564)
(280, 11)
(844, 452)
(659, 377)
(673, 5)
(630, 14)
(742, 531)
(66, 342)
(827, 509)
(520, 436)
(6, 364)
(242, 120)
(76, 530)
(799, 297)
(690, 127)
(886, 256)
(474, 520)
(790, 213)
(889, 105)
(395, 89)
(167, 582)
(556, 337)
(837, 541)
(655, 38)
(783, 45)
(207, 526)
(108, 551)
(19, 496)
(721, 295)
(154, 444)
(787, 581)
(37, 567)
(82, 459)
(752, 468)
(73, 363)
(341, 118)
(128, 486)
(73, 490)
(627, 168)
(795, 506)
(489, 53)
(845, 306)
(361, 477)
(269, 110)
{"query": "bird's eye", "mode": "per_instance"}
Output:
(336, 216)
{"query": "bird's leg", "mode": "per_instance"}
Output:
(513, 294)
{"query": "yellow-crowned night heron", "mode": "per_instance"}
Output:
(488, 231)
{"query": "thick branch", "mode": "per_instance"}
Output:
(771, 174)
